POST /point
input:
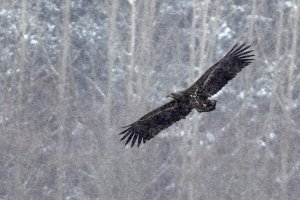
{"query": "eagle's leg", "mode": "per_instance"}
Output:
(206, 106)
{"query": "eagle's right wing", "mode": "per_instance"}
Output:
(152, 123)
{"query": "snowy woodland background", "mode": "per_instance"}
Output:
(73, 72)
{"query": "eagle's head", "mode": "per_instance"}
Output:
(171, 95)
(176, 95)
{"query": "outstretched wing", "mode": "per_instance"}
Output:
(217, 76)
(152, 123)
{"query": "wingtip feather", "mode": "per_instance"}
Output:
(240, 50)
(129, 138)
(123, 132)
(245, 52)
(232, 49)
(242, 53)
(125, 136)
(134, 139)
(140, 138)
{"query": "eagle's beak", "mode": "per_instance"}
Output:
(214, 102)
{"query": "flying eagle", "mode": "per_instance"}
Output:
(196, 96)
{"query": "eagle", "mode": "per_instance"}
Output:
(194, 97)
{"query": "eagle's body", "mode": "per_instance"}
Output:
(194, 97)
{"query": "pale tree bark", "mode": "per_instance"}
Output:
(254, 38)
(19, 73)
(294, 17)
(203, 7)
(23, 37)
(62, 109)
(252, 22)
(285, 173)
(111, 54)
(211, 38)
(131, 50)
(145, 52)
(192, 52)
(105, 176)
(283, 137)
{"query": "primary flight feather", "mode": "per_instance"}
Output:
(194, 97)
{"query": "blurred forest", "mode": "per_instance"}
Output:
(73, 72)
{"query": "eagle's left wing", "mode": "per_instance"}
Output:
(217, 76)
